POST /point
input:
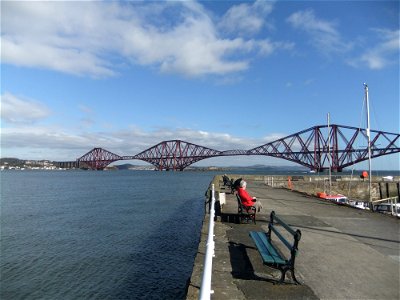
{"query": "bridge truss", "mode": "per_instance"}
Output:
(336, 146)
(175, 155)
(317, 148)
(97, 159)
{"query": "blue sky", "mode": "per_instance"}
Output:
(125, 75)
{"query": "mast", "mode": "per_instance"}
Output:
(329, 154)
(369, 143)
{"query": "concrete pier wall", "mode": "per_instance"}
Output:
(350, 186)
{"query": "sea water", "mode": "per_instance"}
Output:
(99, 235)
(102, 235)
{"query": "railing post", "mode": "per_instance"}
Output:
(205, 288)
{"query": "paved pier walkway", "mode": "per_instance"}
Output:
(345, 253)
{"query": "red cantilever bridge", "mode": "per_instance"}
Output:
(316, 148)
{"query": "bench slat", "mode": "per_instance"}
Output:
(282, 238)
(267, 251)
(287, 227)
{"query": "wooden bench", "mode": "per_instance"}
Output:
(226, 180)
(246, 213)
(228, 183)
(269, 251)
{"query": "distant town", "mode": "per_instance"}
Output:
(21, 164)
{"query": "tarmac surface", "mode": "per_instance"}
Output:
(344, 253)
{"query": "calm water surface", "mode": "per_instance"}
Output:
(99, 235)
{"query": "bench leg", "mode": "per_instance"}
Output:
(247, 218)
(243, 219)
(283, 272)
(294, 277)
(253, 218)
(283, 275)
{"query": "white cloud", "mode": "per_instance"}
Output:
(52, 35)
(71, 61)
(306, 20)
(246, 18)
(48, 141)
(324, 35)
(17, 110)
(382, 50)
(383, 53)
(92, 38)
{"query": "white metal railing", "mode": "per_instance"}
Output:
(393, 204)
(205, 288)
(269, 180)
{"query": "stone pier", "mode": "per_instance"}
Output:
(345, 253)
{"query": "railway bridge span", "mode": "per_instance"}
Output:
(317, 148)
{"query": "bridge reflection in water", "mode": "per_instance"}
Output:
(316, 148)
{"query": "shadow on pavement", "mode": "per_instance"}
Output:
(240, 262)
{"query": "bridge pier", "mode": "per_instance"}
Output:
(67, 164)
(333, 169)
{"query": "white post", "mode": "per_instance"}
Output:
(391, 206)
(205, 289)
(329, 154)
(369, 143)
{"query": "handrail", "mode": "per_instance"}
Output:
(205, 288)
(386, 199)
(392, 201)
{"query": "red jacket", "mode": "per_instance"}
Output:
(247, 200)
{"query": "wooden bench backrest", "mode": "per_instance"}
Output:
(296, 234)
(239, 201)
(226, 179)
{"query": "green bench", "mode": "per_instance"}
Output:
(270, 253)
(246, 213)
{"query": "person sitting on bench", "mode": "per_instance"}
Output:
(247, 200)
